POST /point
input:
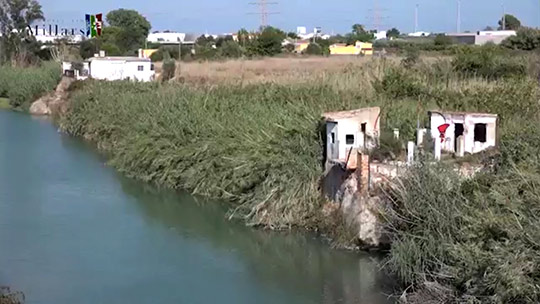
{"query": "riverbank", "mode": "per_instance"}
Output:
(258, 145)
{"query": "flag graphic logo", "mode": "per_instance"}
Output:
(94, 25)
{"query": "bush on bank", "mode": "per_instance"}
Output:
(257, 146)
(474, 240)
(22, 86)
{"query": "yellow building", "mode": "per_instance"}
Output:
(146, 53)
(360, 48)
(300, 47)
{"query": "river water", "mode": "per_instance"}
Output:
(72, 230)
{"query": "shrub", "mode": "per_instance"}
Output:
(397, 83)
(488, 61)
(230, 49)
(314, 49)
(169, 70)
(412, 56)
(22, 86)
(477, 238)
(442, 39)
(157, 56)
(390, 148)
(526, 39)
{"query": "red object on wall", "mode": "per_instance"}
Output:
(442, 130)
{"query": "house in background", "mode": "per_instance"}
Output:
(462, 132)
(481, 37)
(346, 130)
(111, 68)
(360, 48)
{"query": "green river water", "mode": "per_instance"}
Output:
(72, 230)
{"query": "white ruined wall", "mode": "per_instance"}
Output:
(468, 121)
(350, 123)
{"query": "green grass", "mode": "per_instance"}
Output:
(4, 103)
(22, 86)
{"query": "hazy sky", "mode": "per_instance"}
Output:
(219, 16)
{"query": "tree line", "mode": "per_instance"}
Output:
(126, 31)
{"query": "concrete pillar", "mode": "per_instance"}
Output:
(362, 172)
(420, 136)
(437, 152)
(460, 152)
(353, 159)
(410, 152)
(365, 173)
(396, 133)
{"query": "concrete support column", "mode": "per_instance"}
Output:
(460, 152)
(437, 152)
(410, 152)
(420, 136)
(362, 172)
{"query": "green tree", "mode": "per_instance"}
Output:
(358, 29)
(393, 33)
(130, 30)
(268, 42)
(15, 41)
(243, 37)
(231, 49)
(359, 34)
(292, 35)
(87, 48)
(509, 22)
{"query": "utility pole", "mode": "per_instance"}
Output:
(504, 17)
(416, 19)
(263, 11)
(458, 16)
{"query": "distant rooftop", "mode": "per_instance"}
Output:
(125, 58)
(349, 114)
(462, 113)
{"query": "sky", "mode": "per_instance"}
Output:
(333, 16)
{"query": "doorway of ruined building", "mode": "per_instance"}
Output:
(458, 131)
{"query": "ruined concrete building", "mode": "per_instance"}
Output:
(347, 130)
(463, 132)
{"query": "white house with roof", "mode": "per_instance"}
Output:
(112, 68)
(346, 130)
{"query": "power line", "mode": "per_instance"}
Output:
(263, 11)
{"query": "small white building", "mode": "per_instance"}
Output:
(113, 68)
(477, 130)
(346, 130)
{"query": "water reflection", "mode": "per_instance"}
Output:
(297, 262)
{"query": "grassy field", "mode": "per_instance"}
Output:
(248, 132)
